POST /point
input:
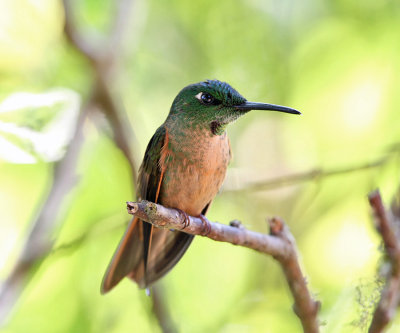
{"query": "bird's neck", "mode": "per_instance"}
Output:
(185, 128)
(189, 139)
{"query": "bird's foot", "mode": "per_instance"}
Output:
(185, 218)
(206, 225)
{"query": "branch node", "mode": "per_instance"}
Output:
(151, 209)
(132, 207)
(276, 226)
(236, 224)
(206, 225)
(185, 218)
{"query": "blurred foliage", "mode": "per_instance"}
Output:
(336, 61)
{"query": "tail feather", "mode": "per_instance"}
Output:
(147, 238)
(167, 249)
(130, 258)
(127, 256)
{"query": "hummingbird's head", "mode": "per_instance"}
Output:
(215, 104)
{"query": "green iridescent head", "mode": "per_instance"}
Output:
(215, 104)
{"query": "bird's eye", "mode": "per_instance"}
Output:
(207, 98)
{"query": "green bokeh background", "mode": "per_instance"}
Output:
(336, 61)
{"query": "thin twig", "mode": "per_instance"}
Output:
(87, 49)
(122, 19)
(311, 175)
(389, 301)
(160, 310)
(280, 244)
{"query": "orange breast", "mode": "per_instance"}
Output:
(194, 172)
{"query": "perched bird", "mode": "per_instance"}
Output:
(183, 168)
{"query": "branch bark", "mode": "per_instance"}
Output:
(280, 244)
(390, 296)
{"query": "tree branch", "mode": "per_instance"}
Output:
(280, 244)
(103, 63)
(389, 301)
(160, 310)
(122, 18)
(40, 241)
(87, 49)
(305, 307)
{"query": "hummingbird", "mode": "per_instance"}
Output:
(183, 168)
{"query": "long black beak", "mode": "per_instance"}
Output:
(247, 106)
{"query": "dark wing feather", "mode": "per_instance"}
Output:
(145, 253)
(131, 250)
(167, 247)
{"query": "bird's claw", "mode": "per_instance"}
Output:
(206, 225)
(185, 218)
